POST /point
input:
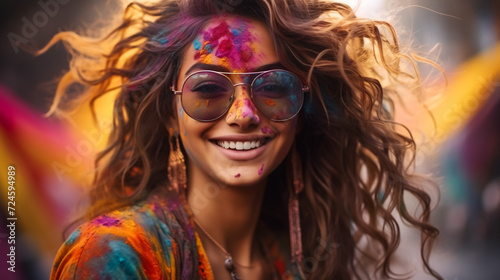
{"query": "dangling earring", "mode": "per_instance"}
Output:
(176, 167)
(295, 187)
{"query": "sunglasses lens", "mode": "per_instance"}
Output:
(278, 94)
(206, 95)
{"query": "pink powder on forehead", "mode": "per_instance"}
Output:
(225, 48)
(233, 45)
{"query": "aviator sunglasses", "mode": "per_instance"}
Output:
(207, 95)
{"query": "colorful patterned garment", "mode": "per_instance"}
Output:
(151, 240)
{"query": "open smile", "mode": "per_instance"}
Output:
(241, 145)
(238, 148)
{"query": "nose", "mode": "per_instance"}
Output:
(242, 112)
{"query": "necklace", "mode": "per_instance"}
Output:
(228, 262)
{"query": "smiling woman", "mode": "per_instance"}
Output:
(256, 143)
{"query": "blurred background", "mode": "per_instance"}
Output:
(459, 145)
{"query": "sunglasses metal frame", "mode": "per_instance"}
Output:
(231, 99)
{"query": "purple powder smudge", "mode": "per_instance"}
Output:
(106, 221)
(261, 169)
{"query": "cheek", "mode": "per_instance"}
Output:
(182, 119)
(286, 129)
(190, 130)
(182, 129)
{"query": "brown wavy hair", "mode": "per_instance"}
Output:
(357, 162)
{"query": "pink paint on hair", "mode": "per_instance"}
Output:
(261, 169)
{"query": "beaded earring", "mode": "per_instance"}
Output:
(176, 166)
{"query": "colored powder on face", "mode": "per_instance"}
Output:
(265, 130)
(106, 221)
(225, 48)
(208, 48)
(235, 46)
(270, 102)
(243, 108)
(197, 44)
(235, 32)
(203, 53)
(246, 54)
(73, 237)
(197, 104)
(217, 32)
(224, 62)
(207, 101)
(207, 59)
(181, 127)
(237, 175)
(181, 112)
(261, 170)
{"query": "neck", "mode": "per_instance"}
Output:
(229, 214)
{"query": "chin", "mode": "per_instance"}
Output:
(242, 178)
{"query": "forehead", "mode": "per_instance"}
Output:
(236, 43)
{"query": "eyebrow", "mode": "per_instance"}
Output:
(220, 68)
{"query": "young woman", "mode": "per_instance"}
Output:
(250, 140)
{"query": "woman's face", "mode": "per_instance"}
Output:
(257, 145)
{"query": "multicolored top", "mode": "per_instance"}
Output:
(154, 239)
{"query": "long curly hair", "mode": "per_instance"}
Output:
(357, 162)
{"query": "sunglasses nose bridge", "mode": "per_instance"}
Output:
(244, 87)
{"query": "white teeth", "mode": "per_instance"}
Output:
(247, 145)
(239, 145)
